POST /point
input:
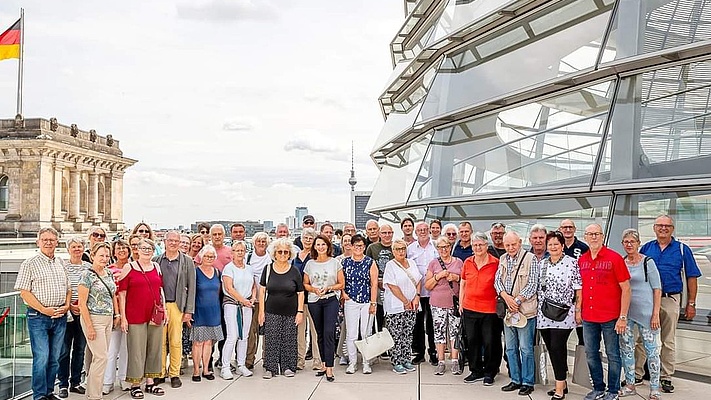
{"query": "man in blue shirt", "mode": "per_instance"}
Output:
(463, 248)
(672, 258)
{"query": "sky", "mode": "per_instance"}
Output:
(234, 109)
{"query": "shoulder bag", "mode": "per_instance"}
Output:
(455, 296)
(158, 313)
(501, 306)
(551, 309)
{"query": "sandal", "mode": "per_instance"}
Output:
(136, 393)
(155, 390)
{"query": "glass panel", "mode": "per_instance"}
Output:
(651, 26)
(659, 126)
(15, 352)
(566, 39)
(397, 176)
(551, 142)
(691, 212)
(461, 13)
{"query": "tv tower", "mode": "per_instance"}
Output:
(352, 181)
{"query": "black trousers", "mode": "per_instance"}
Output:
(556, 341)
(484, 342)
(424, 324)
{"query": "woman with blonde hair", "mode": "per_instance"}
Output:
(197, 242)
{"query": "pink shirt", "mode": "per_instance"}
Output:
(224, 257)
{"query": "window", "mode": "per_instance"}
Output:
(4, 193)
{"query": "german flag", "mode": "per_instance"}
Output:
(10, 42)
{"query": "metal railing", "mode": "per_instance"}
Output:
(15, 351)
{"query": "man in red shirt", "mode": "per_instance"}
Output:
(605, 301)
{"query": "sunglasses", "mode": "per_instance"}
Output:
(203, 232)
(451, 234)
(143, 231)
(308, 222)
(98, 235)
(282, 252)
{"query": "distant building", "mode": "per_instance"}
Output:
(291, 222)
(299, 214)
(268, 226)
(360, 201)
(54, 175)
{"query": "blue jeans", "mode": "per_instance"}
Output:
(593, 332)
(74, 345)
(46, 341)
(519, 351)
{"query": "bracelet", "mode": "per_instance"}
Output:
(300, 311)
(117, 315)
(373, 304)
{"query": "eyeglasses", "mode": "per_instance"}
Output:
(358, 246)
(283, 252)
(308, 222)
(444, 247)
(145, 248)
(385, 233)
(143, 231)
(629, 242)
(567, 227)
(185, 243)
(172, 241)
(399, 248)
(208, 257)
(479, 245)
(451, 233)
(99, 235)
(593, 234)
(663, 226)
(134, 246)
(48, 240)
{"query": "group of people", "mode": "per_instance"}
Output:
(132, 311)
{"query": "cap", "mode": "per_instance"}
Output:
(309, 217)
(516, 320)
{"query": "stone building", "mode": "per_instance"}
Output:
(59, 176)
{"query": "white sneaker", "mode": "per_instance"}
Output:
(351, 368)
(244, 371)
(226, 374)
(107, 389)
(268, 374)
(440, 368)
(366, 368)
(289, 373)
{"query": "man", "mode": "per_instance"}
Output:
(381, 252)
(517, 283)
(463, 248)
(224, 253)
(496, 248)
(371, 232)
(450, 232)
(573, 247)
(673, 259)
(537, 238)
(258, 259)
(327, 230)
(407, 225)
(349, 229)
(605, 300)
(44, 287)
(178, 272)
(422, 251)
(307, 222)
(238, 232)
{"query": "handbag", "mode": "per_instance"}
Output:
(551, 309)
(376, 344)
(581, 371)
(540, 353)
(501, 306)
(158, 312)
(455, 298)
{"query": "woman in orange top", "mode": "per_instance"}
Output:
(478, 308)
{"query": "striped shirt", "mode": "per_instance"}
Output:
(75, 272)
(46, 278)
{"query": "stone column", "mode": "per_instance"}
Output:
(93, 206)
(57, 199)
(14, 174)
(74, 192)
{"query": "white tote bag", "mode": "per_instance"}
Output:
(376, 344)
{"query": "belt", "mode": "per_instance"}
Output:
(670, 294)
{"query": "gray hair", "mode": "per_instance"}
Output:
(259, 236)
(76, 239)
(442, 240)
(282, 243)
(148, 242)
(631, 232)
(399, 241)
(310, 232)
(449, 226)
(170, 233)
(46, 230)
(206, 249)
(480, 236)
(93, 229)
(239, 243)
(539, 228)
(513, 234)
(217, 226)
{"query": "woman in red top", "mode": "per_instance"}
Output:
(141, 282)
(478, 308)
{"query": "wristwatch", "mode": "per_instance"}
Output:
(623, 317)
(692, 303)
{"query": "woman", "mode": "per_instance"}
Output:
(299, 262)
(560, 282)
(184, 243)
(204, 232)
(95, 234)
(442, 280)
(401, 301)
(133, 244)
(341, 348)
(99, 310)
(346, 247)
(323, 280)
(240, 292)
(207, 328)
(196, 244)
(435, 229)
(144, 231)
(140, 287)
(361, 299)
(643, 312)
(117, 345)
(477, 304)
(282, 296)
(74, 340)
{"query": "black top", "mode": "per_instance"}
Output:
(576, 250)
(496, 252)
(282, 290)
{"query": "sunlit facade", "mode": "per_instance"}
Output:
(525, 111)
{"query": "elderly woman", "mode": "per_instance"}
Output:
(323, 280)
(197, 242)
(435, 229)
(299, 262)
(450, 232)
(442, 280)
(144, 230)
(74, 340)
(140, 287)
(99, 312)
(207, 327)
(282, 297)
(184, 243)
(643, 313)
(133, 244)
(401, 301)
(240, 291)
(559, 282)
(95, 234)
(117, 345)
(361, 299)
(477, 303)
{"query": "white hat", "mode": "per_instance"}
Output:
(516, 320)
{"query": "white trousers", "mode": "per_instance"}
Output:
(232, 333)
(118, 355)
(357, 318)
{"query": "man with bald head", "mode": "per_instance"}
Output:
(349, 229)
(422, 251)
(572, 247)
(371, 232)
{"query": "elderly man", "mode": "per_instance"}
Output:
(463, 248)
(422, 251)
(537, 238)
(673, 259)
(573, 247)
(517, 283)
(258, 259)
(407, 226)
(237, 233)
(496, 248)
(371, 232)
(327, 230)
(224, 253)
(605, 300)
(178, 272)
(307, 222)
(349, 229)
(450, 232)
(381, 252)
(44, 287)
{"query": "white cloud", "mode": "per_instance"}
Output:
(227, 10)
(239, 125)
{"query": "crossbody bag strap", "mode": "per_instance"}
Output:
(513, 284)
(146, 278)
(102, 281)
(414, 282)
(444, 268)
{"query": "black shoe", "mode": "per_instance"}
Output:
(175, 382)
(511, 387)
(209, 377)
(473, 377)
(77, 389)
(434, 360)
(309, 355)
(667, 386)
(158, 381)
(63, 393)
(330, 378)
(565, 391)
(638, 381)
(488, 381)
(525, 390)
(196, 378)
(418, 359)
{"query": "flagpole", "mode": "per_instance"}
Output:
(20, 64)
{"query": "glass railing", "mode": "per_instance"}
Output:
(15, 352)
